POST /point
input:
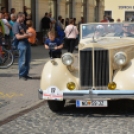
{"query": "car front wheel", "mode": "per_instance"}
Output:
(56, 106)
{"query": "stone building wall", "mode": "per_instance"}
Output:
(93, 10)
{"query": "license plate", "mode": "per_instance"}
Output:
(94, 103)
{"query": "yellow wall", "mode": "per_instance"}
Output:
(113, 5)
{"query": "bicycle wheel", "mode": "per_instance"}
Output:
(6, 59)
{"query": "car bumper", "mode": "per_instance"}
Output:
(95, 94)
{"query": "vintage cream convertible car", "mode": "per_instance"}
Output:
(104, 69)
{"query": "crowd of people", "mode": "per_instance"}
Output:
(66, 31)
(8, 19)
(108, 18)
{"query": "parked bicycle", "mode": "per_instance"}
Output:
(6, 56)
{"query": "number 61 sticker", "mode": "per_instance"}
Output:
(52, 93)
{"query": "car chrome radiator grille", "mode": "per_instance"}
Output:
(100, 66)
(86, 68)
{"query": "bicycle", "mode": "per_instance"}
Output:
(6, 56)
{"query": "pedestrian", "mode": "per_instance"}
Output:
(71, 34)
(59, 23)
(75, 21)
(30, 29)
(132, 18)
(50, 16)
(12, 22)
(53, 21)
(62, 22)
(67, 22)
(2, 28)
(54, 45)
(23, 46)
(7, 28)
(105, 19)
(2, 32)
(59, 32)
(12, 11)
(46, 23)
(81, 22)
(3, 10)
(25, 13)
(118, 20)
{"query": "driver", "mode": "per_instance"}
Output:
(126, 31)
(99, 31)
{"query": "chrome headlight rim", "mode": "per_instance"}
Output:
(68, 57)
(120, 58)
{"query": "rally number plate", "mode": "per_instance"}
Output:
(94, 103)
(53, 93)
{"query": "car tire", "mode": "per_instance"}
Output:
(56, 106)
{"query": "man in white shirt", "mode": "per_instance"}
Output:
(7, 28)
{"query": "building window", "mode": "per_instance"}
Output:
(129, 15)
(109, 13)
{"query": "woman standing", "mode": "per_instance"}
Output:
(71, 33)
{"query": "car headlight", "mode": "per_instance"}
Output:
(67, 59)
(120, 58)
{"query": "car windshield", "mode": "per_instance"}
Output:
(98, 30)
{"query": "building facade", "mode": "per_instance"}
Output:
(120, 9)
(91, 10)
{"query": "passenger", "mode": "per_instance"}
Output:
(54, 45)
(126, 31)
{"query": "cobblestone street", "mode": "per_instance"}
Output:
(116, 119)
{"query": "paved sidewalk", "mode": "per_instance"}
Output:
(17, 95)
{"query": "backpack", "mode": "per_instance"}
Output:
(60, 32)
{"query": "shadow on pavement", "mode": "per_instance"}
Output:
(36, 78)
(121, 108)
(8, 75)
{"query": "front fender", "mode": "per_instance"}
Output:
(57, 75)
(124, 78)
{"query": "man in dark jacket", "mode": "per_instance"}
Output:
(46, 23)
